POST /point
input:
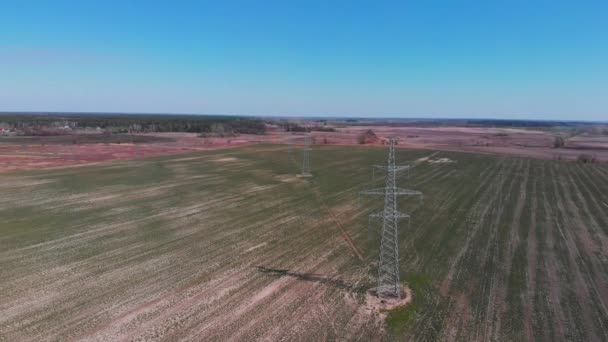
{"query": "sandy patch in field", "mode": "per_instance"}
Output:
(384, 305)
(286, 178)
(225, 160)
(255, 247)
(22, 182)
(423, 159)
(440, 161)
(185, 159)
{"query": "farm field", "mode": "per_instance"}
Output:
(525, 143)
(231, 245)
(42, 152)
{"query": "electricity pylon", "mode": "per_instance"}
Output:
(388, 265)
(306, 157)
(289, 141)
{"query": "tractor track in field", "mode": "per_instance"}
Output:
(335, 219)
(510, 246)
(474, 218)
(579, 251)
(532, 260)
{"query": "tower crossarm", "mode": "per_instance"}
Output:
(392, 168)
(382, 215)
(397, 191)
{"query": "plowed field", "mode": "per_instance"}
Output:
(232, 245)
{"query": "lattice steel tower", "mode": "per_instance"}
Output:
(388, 264)
(306, 157)
(289, 141)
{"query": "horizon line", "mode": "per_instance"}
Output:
(329, 116)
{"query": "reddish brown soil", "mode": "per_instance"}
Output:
(506, 141)
(515, 142)
(15, 157)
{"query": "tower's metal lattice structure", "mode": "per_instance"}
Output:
(288, 141)
(306, 157)
(388, 264)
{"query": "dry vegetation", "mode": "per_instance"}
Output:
(529, 143)
(228, 244)
(23, 153)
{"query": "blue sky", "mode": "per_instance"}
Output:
(490, 59)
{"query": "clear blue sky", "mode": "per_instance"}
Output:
(496, 59)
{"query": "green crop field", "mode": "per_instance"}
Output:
(232, 245)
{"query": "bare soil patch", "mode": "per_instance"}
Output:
(45, 152)
(383, 305)
(509, 141)
(440, 160)
(40, 153)
(225, 160)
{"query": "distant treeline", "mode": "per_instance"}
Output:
(136, 123)
(524, 123)
(314, 125)
(464, 122)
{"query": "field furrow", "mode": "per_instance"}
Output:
(233, 245)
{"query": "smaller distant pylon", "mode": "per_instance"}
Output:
(306, 157)
(289, 141)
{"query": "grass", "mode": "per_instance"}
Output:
(399, 318)
(500, 248)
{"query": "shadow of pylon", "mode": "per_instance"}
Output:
(312, 277)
